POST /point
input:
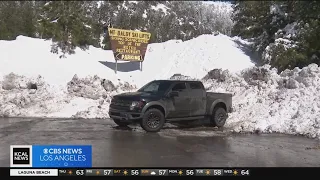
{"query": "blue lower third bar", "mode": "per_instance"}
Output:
(61, 156)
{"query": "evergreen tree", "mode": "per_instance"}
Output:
(27, 13)
(69, 25)
(309, 32)
(286, 35)
(10, 20)
(17, 18)
(72, 24)
(166, 20)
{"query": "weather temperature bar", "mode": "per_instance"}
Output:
(154, 172)
(102, 172)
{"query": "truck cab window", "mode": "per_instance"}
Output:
(152, 87)
(158, 87)
(179, 87)
(196, 85)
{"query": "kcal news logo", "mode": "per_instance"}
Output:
(21, 156)
(51, 156)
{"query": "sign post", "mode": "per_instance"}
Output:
(128, 45)
(140, 66)
(116, 66)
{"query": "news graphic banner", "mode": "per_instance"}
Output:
(129, 172)
(42, 156)
(219, 171)
(128, 45)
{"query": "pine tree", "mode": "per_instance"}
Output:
(72, 24)
(69, 25)
(309, 31)
(10, 20)
(17, 18)
(28, 18)
(285, 35)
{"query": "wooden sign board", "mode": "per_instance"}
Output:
(128, 45)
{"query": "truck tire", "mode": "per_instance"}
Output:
(153, 120)
(121, 124)
(219, 117)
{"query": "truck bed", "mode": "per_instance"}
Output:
(226, 97)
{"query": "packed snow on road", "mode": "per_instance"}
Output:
(37, 83)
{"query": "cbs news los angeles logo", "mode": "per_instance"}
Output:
(21, 156)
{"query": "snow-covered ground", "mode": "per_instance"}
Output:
(35, 82)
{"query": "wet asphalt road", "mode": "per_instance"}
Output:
(172, 147)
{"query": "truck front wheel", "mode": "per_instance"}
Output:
(219, 117)
(153, 120)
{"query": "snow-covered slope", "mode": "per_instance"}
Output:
(32, 57)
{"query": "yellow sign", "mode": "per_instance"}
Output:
(128, 45)
(129, 34)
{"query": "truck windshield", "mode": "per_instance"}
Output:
(158, 87)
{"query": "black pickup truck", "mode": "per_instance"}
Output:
(171, 101)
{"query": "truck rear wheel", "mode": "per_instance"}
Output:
(219, 117)
(121, 124)
(153, 120)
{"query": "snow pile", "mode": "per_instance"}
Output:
(265, 101)
(180, 77)
(87, 97)
(100, 90)
(21, 96)
(216, 74)
(89, 87)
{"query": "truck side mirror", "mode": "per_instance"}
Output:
(173, 94)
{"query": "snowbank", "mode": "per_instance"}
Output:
(265, 101)
(87, 97)
(19, 98)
